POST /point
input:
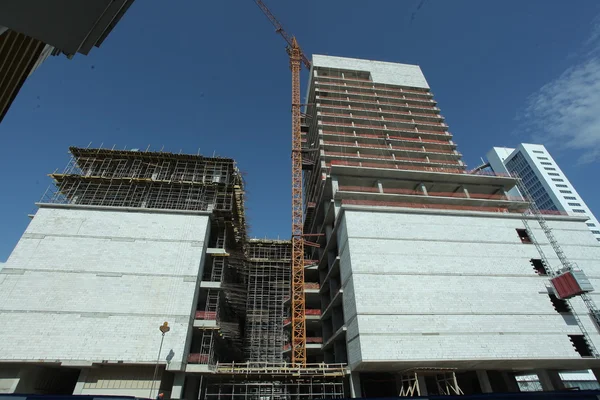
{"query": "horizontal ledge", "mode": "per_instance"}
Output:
(124, 209)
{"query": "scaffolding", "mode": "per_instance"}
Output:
(269, 268)
(275, 381)
(286, 389)
(159, 180)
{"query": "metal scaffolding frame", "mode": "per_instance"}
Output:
(157, 180)
(269, 264)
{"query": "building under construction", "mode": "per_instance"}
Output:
(426, 277)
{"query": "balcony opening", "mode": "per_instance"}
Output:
(538, 266)
(524, 236)
(581, 345)
(560, 305)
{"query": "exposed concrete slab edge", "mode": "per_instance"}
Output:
(483, 214)
(125, 209)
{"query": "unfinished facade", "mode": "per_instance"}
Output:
(126, 240)
(426, 281)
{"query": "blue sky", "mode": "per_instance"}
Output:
(214, 76)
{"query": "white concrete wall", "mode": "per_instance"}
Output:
(89, 285)
(381, 72)
(438, 287)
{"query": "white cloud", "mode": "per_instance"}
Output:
(565, 112)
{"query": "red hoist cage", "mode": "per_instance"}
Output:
(297, 58)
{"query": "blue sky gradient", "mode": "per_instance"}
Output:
(213, 76)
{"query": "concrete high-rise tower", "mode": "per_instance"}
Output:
(544, 179)
(425, 278)
(423, 264)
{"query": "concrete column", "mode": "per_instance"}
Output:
(550, 380)
(81, 381)
(177, 389)
(510, 381)
(328, 232)
(424, 189)
(596, 372)
(484, 381)
(380, 186)
(334, 185)
(466, 192)
(355, 389)
(422, 385)
(337, 204)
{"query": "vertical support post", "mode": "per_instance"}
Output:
(81, 381)
(335, 186)
(380, 186)
(510, 381)
(484, 381)
(355, 389)
(178, 382)
(421, 384)
(550, 380)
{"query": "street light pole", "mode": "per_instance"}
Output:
(164, 328)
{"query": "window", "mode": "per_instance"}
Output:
(566, 191)
(576, 210)
(596, 232)
(581, 345)
(524, 236)
(542, 158)
(557, 180)
(561, 185)
(538, 151)
(546, 163)
(575, 204)
(598, 239)
(570, 198)
(538, 266)
(549, 169)
(553, 174)
(590, 224)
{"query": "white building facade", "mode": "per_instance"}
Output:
(545, 181)
(424, 267)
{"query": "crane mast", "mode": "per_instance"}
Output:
(297, 58)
